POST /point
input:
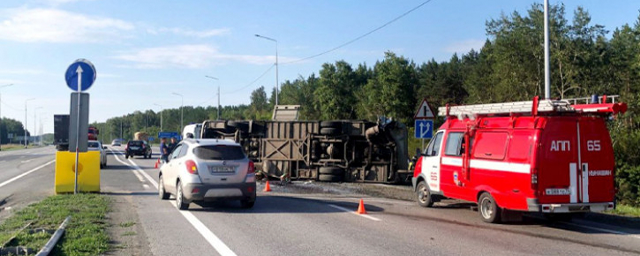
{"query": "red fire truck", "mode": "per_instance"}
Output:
(546, 156)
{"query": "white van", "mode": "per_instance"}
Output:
(192, 131)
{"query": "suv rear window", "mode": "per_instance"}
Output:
(135, 143)
(219, 152)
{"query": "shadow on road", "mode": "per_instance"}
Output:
(282, 204)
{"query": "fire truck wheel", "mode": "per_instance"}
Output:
(488, 209)
(423, 195)
(329, 131)
(331, 124)
(337, 171)
(330, 178)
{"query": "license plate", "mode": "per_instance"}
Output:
(558, 191)
(135, 148)
(216, 169)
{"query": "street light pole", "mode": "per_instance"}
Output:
(6, 85)
(215, 78)
(161, 110)
(35, 123)
(277, 81)
(25, 121)
(181, 112)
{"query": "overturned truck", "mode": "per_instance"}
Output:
(350, 151)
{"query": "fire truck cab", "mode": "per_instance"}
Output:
(544, 156)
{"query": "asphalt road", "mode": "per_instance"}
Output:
(26, 176)
(288, 221)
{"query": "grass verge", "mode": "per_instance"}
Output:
(11, 147)
(626, 210)
(85, 234)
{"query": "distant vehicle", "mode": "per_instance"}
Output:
(138, 148)
(116, 142)
(192, 131)
(208, 170)
(543, 156)
(93, 133)
(94, 145)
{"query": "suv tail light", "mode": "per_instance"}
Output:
(534, 181)
(251, 173)
(191, 167)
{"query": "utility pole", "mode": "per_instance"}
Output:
(25, 121)
(547, 79)
(215, 78)
(161, 110)
(277, 81)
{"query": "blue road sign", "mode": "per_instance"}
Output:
(150, 138)
(424, 129)
(80, 72)
(167, 135)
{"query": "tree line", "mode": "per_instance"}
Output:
(586, 59)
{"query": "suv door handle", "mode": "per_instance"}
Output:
(435, 166)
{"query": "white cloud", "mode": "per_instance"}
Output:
(188, 56)
(57, 26)
(465, 46)
(190, 32)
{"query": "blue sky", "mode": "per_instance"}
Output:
(145, 50)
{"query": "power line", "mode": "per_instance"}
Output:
(244, 87)
(362, 36)
(252, 82)
(11, 107)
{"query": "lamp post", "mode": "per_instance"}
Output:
(25, 121)
(6, 85)
(215, 78)
(161, 110)
(181, 111)
(277, 81)
(35, 123)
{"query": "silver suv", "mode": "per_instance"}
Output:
(208, 170)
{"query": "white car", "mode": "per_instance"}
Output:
(208, 170)
(95, 145)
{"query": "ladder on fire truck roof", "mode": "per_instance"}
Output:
(525, 107)
(507, 108)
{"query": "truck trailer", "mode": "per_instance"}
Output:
(332, 151)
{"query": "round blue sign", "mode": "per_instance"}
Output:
(80, 72)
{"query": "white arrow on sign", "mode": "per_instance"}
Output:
(424, 132)
(79, 71)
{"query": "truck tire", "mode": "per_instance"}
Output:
(331, 124)
(329, 178)
(423, 195)
(336, 171)
(488, 208)
(330, 131)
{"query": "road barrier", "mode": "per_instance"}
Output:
(88, 172)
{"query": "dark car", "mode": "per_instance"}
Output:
(137, 148)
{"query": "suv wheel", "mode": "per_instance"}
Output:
(180, 202)
(161, 192)
(246, 204)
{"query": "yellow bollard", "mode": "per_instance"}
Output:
(88, 171)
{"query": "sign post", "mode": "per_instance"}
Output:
(74, 75)
(424, 121)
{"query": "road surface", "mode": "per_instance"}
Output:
(287, 221)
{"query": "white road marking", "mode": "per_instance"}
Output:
(135, 170)
(25, 174)
(145, 186)
(603, 230)
(353, 212)
(213, 240)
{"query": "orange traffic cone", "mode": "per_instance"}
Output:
(267, 188)
(361, 209)
(156, 165)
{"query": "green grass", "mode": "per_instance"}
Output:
(129, 233)
(85, 234)
(11, 147)
(127, 224)
(625, 210)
